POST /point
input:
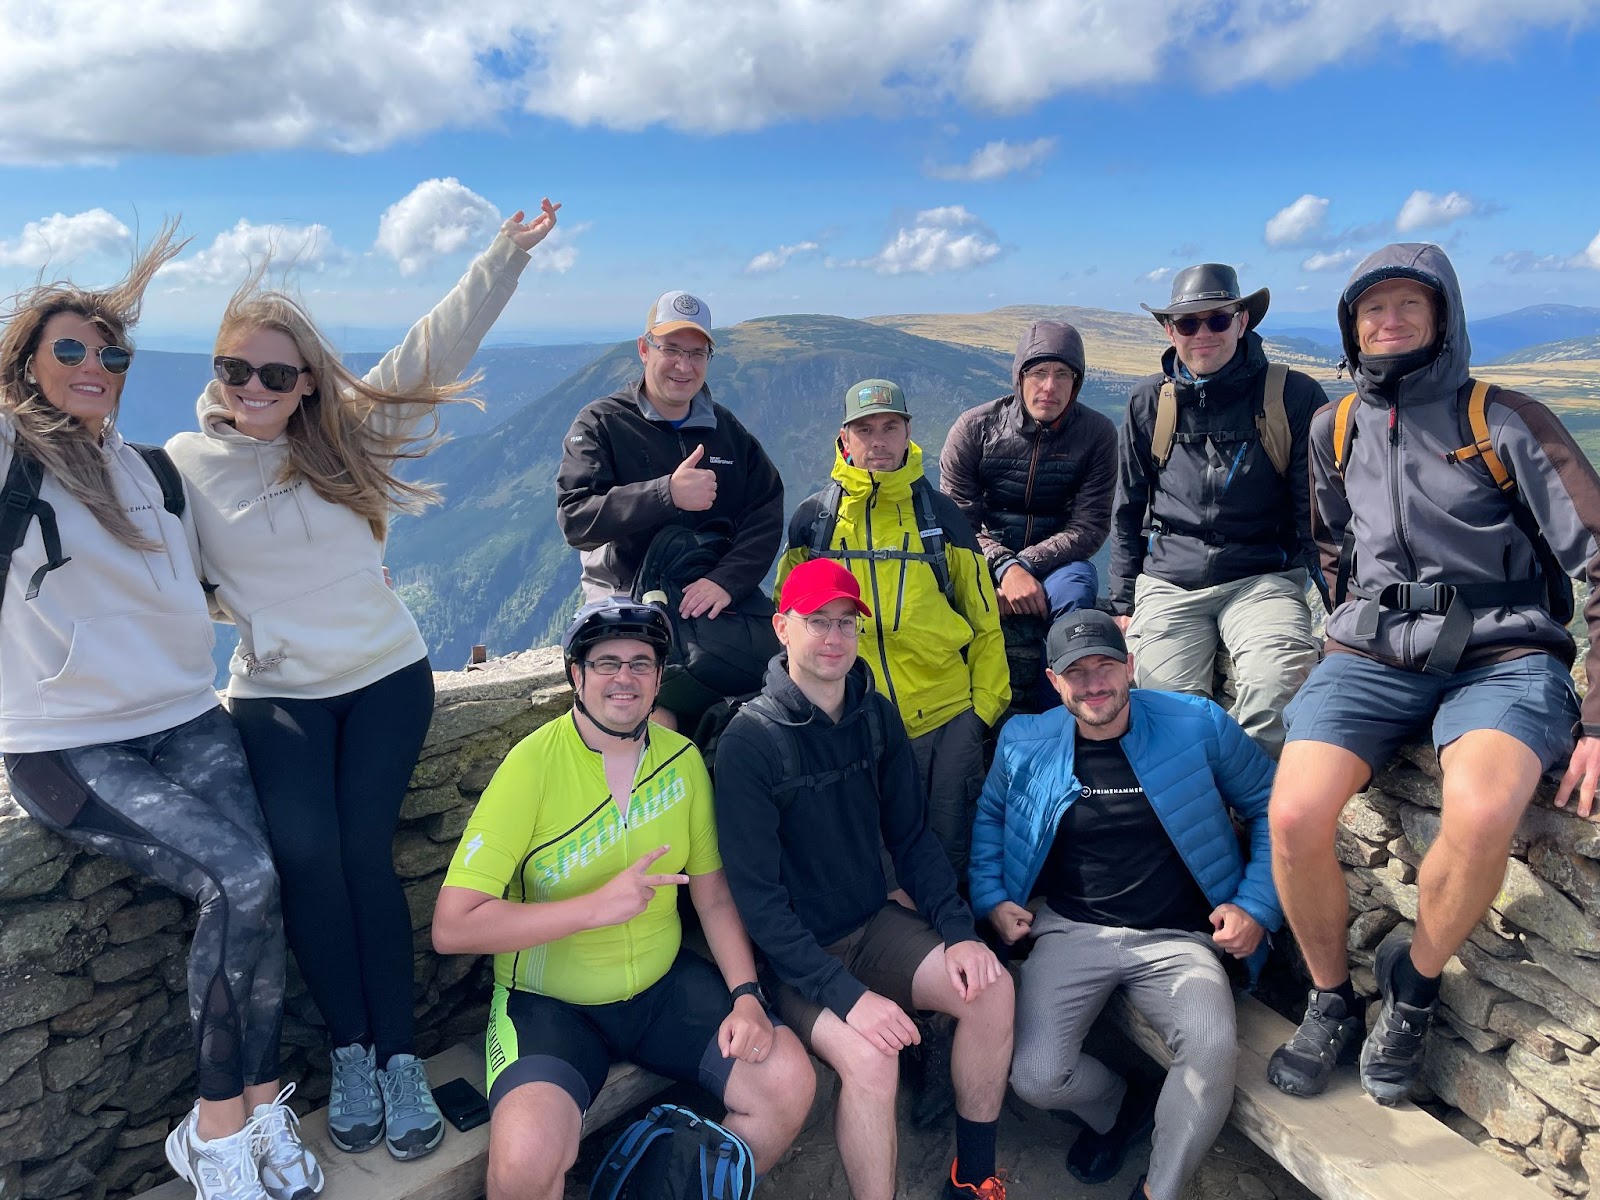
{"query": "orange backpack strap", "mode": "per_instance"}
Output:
(1166, 425)
(1482, 445)
(1344, 431)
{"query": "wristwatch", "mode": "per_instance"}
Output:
(751, 989)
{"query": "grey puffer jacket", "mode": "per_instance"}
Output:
(1420, 517)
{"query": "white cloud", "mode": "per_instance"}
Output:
(1591, 254)
(168, 76)
(437, 217)
(60, 239)
(775, 260)
(1302, 222)
(937, 240)
(557, 254)
(1159, 275)
(1522, 261)
(996, 160)
(235, 252)
(1332, 261)
(1424, 210)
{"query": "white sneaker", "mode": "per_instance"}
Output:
(221, 1169)
(288, 1170)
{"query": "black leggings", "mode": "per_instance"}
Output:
(331, 775)
(178, 807)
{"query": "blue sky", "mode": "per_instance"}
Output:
(808, 156)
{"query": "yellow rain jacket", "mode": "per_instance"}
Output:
(933, 660)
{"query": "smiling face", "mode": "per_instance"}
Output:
(878, 442)
(1206, 352)
(87, 391)
(1095, 691)
(675, 370)
(622, 700)
(1396, 316)
(253, 408)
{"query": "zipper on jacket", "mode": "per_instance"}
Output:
(1407, 638)
(1027, 494)
(877, 624)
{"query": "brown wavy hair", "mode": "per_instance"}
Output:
(64, 446)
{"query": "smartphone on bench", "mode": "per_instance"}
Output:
(462, 1104)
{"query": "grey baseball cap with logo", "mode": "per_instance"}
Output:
(871, 397)
(677, 311)
(1081, 634)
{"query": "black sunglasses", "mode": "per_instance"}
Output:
(275, 377)
(70, 352)
(1216, 322)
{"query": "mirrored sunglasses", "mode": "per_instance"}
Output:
(70, 352)
(275, 377)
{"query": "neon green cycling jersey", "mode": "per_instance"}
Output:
(547, 829)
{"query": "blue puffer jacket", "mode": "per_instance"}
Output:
(1194, 763)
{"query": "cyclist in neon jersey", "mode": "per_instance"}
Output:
(568, 874)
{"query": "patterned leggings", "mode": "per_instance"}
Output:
(178, 807)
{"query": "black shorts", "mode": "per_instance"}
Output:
(669, 1028)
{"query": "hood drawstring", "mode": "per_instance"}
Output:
(158, 506)
(266, 495)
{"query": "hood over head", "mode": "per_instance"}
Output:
(1430, 266)
(1050, 340)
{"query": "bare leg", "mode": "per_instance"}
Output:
(1315, 781)
(533, 1142)
(863, 1119)
(220, 1118)
(1489, 778)
(769, 1101)
(980, 1059)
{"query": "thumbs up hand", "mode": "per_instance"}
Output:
(693, 487)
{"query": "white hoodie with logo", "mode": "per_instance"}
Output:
(117, 643)
(302, 578)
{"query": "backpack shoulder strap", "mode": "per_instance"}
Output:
(19, 505)
(935, 543)
(166, 473)
(760, 708)
(1272, 422)
(1344, 431)
(1482, 445)
(1166, 426)
(825, 518)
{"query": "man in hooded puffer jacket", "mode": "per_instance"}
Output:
(1445, 620)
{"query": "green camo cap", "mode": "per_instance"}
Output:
(872, 396)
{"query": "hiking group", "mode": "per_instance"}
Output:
(950, 798)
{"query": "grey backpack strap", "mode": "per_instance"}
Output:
(825, 519)
(935, 545)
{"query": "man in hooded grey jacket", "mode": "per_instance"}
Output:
(1442, 615)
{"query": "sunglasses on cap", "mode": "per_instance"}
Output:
(70, 352)
(275, 377)
(1216, 322)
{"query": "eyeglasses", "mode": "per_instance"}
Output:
(820, 627)
(275, 377)
(1055, 374)
(612, 666)
(1216, 322)
(70, 352)
(695, 358)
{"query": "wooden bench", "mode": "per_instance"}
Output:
(1342, 1144)
(455, 1171)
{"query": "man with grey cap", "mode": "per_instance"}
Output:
(1450, 514)
(1105, 833)
(1034, 472)
(1211, 542)
(933, 641)
(661, 452)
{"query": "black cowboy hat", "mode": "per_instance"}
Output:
(1210, 286)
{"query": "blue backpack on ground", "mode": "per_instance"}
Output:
(673, 1154)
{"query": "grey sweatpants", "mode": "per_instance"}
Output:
(178, 807)
(1264, 622)
(1177, 982)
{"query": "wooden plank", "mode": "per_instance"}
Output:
(455, 1171)
(1342, 1145)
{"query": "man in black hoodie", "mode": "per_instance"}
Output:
(813, 776)
(1211, 527)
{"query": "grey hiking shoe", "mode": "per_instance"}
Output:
(1391, 1057)
(355, 1109)
(414, 1125)
(1326, 1037)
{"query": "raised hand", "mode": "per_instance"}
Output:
(693, 487)
(529, 235)
(627, 894)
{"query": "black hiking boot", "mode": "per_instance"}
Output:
(1391, 1057)
(1327, 1036)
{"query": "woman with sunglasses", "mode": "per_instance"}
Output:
(111, 729)
(292, 478)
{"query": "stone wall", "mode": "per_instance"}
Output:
(1514, 1061)
(96, 1058)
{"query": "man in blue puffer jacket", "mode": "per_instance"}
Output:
(1115, 810)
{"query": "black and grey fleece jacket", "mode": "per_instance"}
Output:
(1421, 517)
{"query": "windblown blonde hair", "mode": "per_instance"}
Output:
(64, 446)
(332, 445)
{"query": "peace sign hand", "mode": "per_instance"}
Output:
(628, 893)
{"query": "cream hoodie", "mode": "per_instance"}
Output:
(117, 643)
(300, 577)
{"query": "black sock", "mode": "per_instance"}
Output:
(974, 1150)
(1346, 992)
(1411, 986)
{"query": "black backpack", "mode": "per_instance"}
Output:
(20, 505)
(673, 1154)
(935, 542)
(792, 776)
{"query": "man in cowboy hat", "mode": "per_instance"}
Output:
(1211, 526)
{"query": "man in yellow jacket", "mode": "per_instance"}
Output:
(933, 641)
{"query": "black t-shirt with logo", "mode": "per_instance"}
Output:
(1112, 862)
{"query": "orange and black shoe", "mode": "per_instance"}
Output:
(992, 1188)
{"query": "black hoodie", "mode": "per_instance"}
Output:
(807, 872)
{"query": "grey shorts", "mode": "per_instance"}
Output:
(1371, 708)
